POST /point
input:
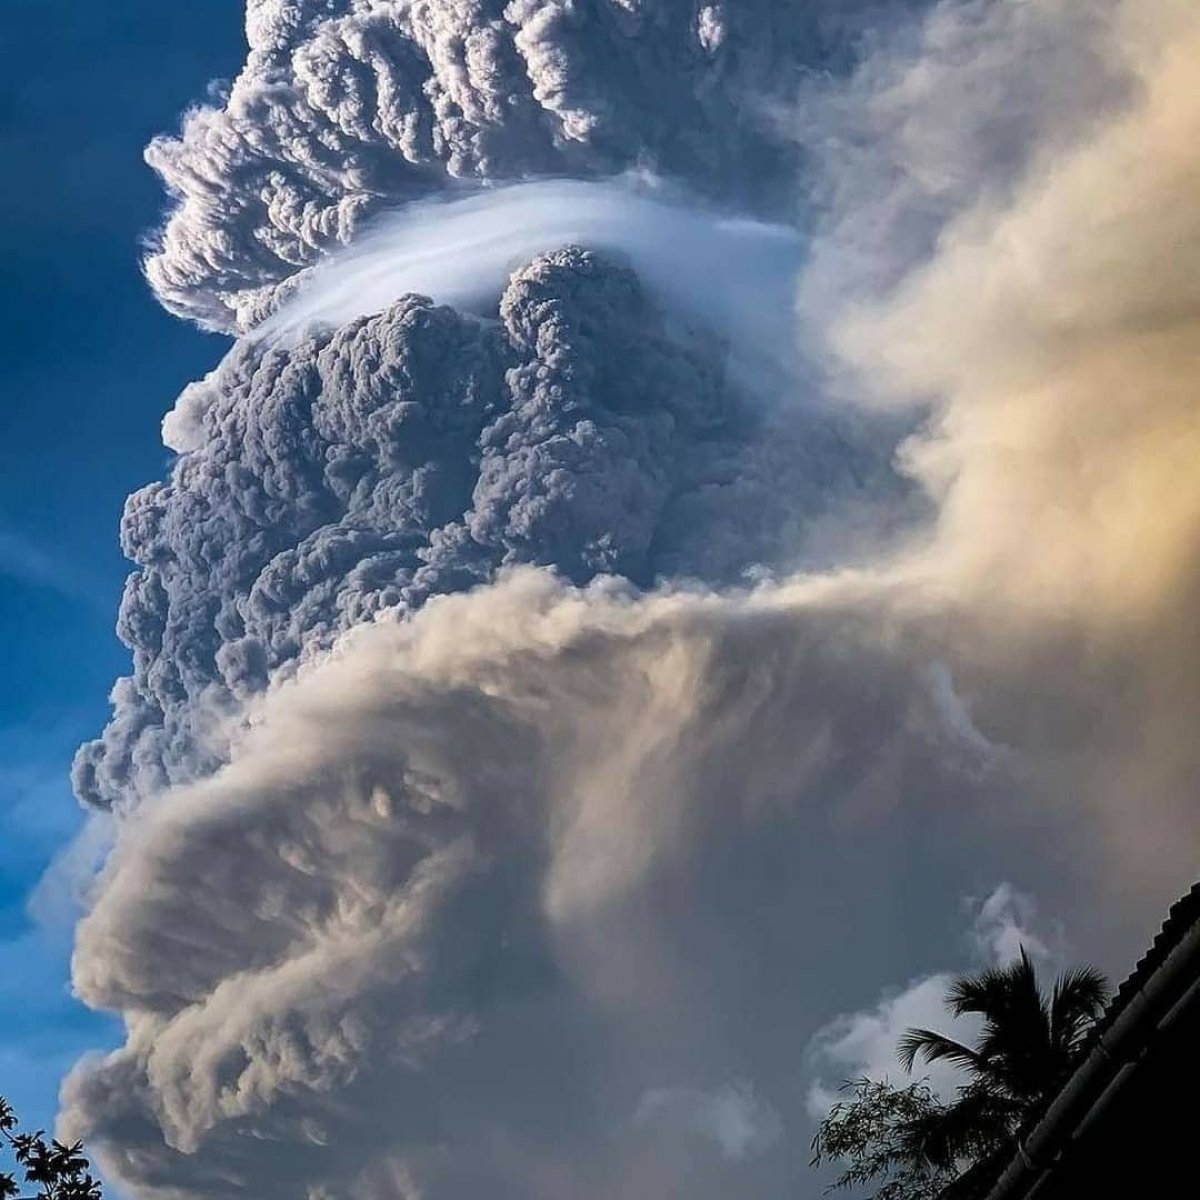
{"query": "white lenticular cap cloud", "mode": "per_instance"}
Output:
(730, 273)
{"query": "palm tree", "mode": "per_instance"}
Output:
(1028, 1045)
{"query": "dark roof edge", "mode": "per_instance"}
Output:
(1165, 982)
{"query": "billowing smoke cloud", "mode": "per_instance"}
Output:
(328, 479)
(1057, 324)
(945, 115)
(506, 895)
(478, 885)
(350, 106)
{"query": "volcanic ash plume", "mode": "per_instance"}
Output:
(412, 453)
(346, 108)
(504, 797)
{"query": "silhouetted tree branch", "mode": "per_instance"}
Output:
(52, 1170)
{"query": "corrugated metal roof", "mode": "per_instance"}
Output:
(1183, 915)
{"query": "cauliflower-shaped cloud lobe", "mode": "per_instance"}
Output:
(345, 107)
(416, 452)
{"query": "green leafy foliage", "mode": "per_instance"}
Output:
(48, 1169)
(874, 1133)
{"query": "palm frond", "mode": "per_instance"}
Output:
(936, 1047)
(998, 991)
(982, 993)
(1077, 1000)
(1027, 1039)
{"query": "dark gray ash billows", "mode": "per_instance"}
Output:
(415, 453)
(346, 107)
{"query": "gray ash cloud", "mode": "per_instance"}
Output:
(500, 900)
(416, 452)
(346, 108)
(508, 892)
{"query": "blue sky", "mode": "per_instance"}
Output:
(88, 363)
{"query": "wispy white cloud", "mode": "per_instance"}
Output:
(734, 1117)
(734, 274)
(1008, 921)
(26, 562)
